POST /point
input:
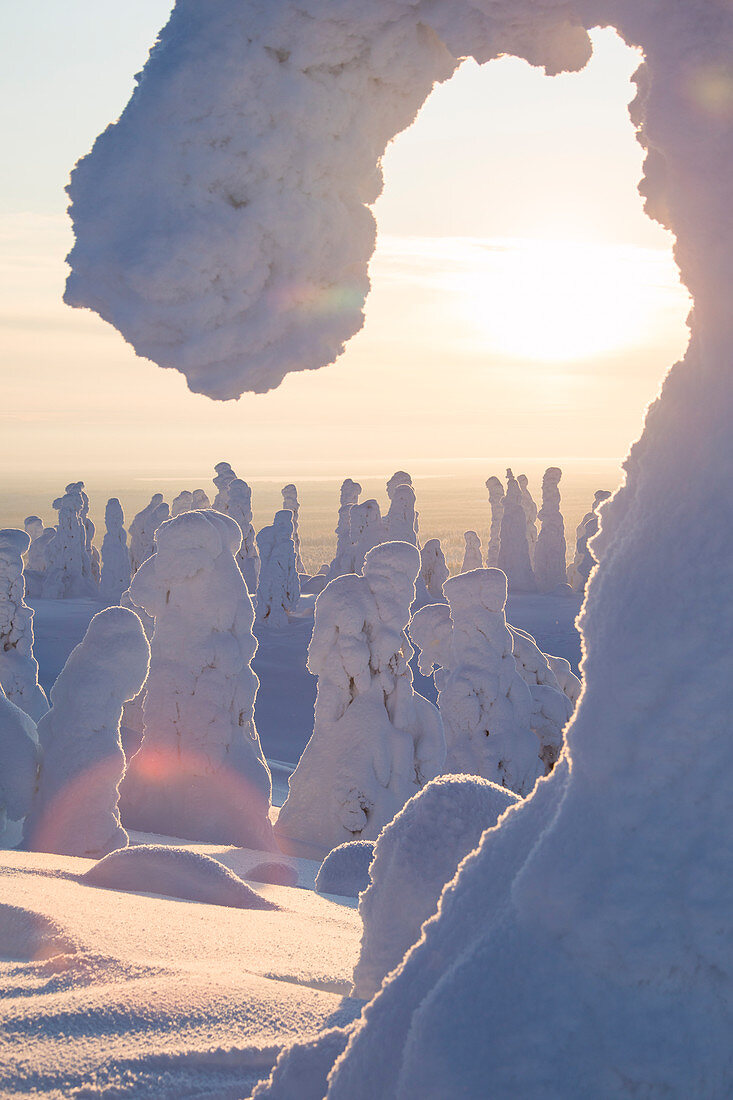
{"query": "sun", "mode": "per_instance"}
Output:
(559, 301)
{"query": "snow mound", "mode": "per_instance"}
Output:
(175, 873)
(277, 874)
(26, 936)
(415, 856)
(345, 870)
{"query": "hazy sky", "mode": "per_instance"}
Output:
(522, 303)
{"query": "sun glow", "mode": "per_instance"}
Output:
(559, 301)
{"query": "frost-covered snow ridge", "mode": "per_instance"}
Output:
(375, 740)
(200, 772)
(75, 804)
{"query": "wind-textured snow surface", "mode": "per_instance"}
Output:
(75, 805)
(18, 666)
(200, 772)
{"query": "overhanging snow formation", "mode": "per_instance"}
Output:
(221, 223)
(587, 948)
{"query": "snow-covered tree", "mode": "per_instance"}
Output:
(513, 546)
(132, 725)
(416, 854)
(485, 704)
(278, 587)
(182, 503)
(200, 501)
(116, 569)
(433, 572)
(343, 561)
(143, 528)
(75, 806)
(530, 514)
(553, 702)
(401, 521)
(290, 501)
(375, 741)
(200, 772)
(36, 557)
(472, 554)
(33, 527)
(584, 559)
(496, 503)
(224, 477)
(550, 552)
(69, 570)
(19, 757)
(239, 507)
(89, 531)
(367, 531)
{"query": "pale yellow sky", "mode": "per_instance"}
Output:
(522, 303)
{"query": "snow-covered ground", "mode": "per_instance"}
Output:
(106, 992)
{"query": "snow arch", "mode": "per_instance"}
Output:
(275, 118)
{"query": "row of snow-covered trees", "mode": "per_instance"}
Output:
(193, 764)
(179, 654)
(527, 543)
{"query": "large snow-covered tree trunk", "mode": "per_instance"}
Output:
(375, 741)
(200, 772)
(75, 807)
